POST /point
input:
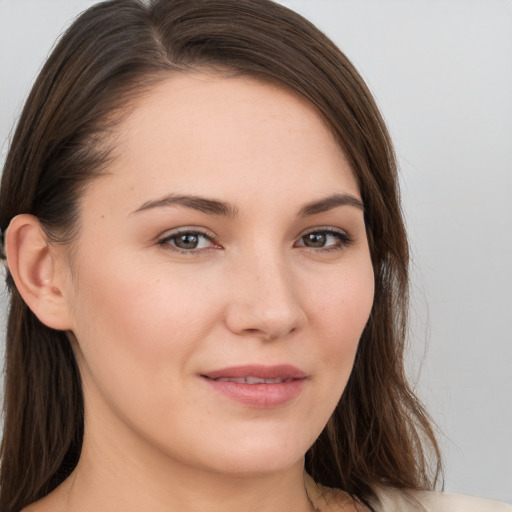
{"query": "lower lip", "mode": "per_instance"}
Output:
(259, 396)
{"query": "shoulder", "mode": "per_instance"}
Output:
(447, 502)
(325, 499)
(390, 499)
(394, 500)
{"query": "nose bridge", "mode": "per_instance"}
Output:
(266, 301)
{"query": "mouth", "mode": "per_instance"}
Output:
(252, 380)
(258, 386)
(257, 374)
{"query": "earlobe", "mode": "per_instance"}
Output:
(31, 262)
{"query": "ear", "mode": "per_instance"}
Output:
(31, 262)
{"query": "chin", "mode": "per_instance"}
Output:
(259, 465)
(258, 456)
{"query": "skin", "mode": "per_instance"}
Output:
(149, 320)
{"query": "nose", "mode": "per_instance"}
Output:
(265, 300)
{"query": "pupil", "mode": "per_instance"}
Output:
(315, 240)
(187, 241)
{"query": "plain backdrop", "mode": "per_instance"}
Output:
(441, 72)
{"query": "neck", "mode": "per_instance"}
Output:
(185, 491)
(118, 472)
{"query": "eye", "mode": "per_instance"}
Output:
(187, 241)
(324, 239)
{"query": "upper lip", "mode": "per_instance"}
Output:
(281, 371)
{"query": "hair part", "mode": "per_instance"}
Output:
(113, 53)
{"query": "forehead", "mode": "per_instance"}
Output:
(208, 134)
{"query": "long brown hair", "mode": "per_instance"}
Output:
(379, 433)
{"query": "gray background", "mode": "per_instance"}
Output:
(441, 71)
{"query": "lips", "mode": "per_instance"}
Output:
(282, 371)
(258, 386)
(251, 380)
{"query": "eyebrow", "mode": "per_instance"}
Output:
(202, 204)
(222, 208)
(330, 202)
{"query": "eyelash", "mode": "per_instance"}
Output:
(344, 240)
(166, 241)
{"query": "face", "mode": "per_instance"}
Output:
(221, 278)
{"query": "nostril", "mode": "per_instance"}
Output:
(259, 333)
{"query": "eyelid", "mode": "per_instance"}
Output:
(344, 238)
(188, 229)
(164, 240)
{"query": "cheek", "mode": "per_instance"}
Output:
(343, 304)
(139, 332)
(338, 314)
(130, 322)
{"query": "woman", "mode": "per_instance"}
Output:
(208, 270)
